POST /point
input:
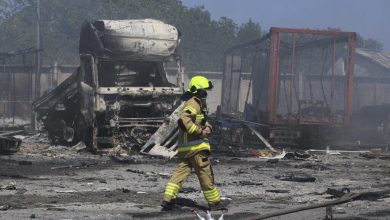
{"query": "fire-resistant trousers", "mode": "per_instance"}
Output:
(202, 166)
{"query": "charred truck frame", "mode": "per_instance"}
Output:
(301, 83)
(120, 94)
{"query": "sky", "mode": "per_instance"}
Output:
(370, 18)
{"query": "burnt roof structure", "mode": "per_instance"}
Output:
(375, 62)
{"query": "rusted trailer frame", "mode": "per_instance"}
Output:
(300, 79)
(275, 72)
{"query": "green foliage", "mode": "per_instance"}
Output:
(9, 8)
(15, 26)
(249, 32)
(368, 43)
(361, 42)
(203, 40)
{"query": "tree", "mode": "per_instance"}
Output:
(362, 42)
(368, 43)
(203, 40)
(8, 8)
(16, 29)
(248, 32)
(203, 43)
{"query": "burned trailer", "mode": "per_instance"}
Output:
(300, 85)
(120, 94)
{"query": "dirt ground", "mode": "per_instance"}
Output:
(57, 182)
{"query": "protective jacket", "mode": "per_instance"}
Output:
(193, 147)
(193, 119)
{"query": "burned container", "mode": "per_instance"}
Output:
(301, 81)
(120, 93)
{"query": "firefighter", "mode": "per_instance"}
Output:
(194, 147)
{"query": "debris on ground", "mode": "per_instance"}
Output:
(9, 145)
(249, 183)
(277, 191)
(76, 166)
(313, 165)
(345, 198)
(207, 215)
(32, 180)
(5, 207)
(188, 190)
(296, 177)
(268, 154)
(374, 155)
(337, 192)
(10, 186)
(299, 155)
(337, 152)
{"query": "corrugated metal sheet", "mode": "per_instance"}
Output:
(379, 57)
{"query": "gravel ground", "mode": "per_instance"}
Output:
(56, 182)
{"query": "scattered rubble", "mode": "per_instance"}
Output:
(277, 191)
(81, 165)
(61, 180)
(373, 155)
(10, 186)
(296, 177)
(346, 197)
(188, 190)
(249, 183)
(267, 154)
(313, 165)
(5, 207)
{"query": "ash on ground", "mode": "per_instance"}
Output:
(60, 182)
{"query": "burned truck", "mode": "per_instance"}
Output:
(120, 94)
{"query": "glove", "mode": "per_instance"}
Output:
(206, 131)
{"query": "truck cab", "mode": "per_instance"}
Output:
(120, 94)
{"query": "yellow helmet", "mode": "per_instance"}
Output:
(199, 82)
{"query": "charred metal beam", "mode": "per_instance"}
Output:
(311, 31)
(265, 142)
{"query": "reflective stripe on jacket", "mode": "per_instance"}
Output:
(192, 120)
